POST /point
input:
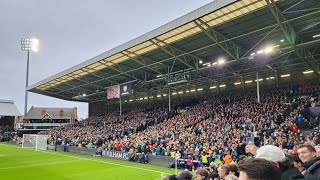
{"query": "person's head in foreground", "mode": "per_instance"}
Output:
(223, 171)
(184, 175)
(258, 169)
(271, 153)
(202, 174)
(307, 153)
(170, 177)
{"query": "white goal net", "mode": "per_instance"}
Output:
(39, 142)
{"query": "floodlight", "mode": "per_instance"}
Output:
(315, 36)
(268, 50)
(285, 75)
(221, 61)
(308, 72)
(260, 51)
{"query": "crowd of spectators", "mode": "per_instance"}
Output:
(213, 130)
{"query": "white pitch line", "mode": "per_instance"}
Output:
(32, 165)
(93, 160)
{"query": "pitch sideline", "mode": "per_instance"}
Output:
(91, 160)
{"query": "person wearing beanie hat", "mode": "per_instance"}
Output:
(276, 155)
(271, 153)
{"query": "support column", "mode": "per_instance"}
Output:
(169, 94)
(242, 83)
(277, 78)
(218, 88)
(120, 107)
(258, 90)
(27, 82)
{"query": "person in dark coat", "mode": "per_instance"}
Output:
(311, 163)
(276, 155)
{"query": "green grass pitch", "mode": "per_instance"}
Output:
(17, 163)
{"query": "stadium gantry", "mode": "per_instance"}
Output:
(224, 43)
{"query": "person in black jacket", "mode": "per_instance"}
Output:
(276, 155)
(311, 163)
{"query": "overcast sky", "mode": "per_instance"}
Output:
(71, 32)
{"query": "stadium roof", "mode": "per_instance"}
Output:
(8, 108)
(268, 36)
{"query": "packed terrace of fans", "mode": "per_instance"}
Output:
(216, 125)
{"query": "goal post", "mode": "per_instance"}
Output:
(39, 142)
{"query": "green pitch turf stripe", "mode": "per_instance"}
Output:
(42, 164)
(105, 162)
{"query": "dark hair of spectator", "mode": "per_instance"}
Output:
(259, 169)
(309, 147)
(203, 172)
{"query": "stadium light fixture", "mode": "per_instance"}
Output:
(222, 85)
(164, 95)
(174, 93)
(125, 101)
(260, 52)
(237, 83)
(308, 72)
(131, 100)
(193, 90)
(213, 87)
(200, 61)
(28, 45)
(315, 36)
(187, 91)
(221, 61)
(269, 78)
(252, 54)
(285, 75)
(160, 75)
(268, 50)
(258, 80)
(200, 89)
(159, 95)
(249, 81)
(180, 92)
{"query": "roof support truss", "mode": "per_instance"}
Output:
(290, 35)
